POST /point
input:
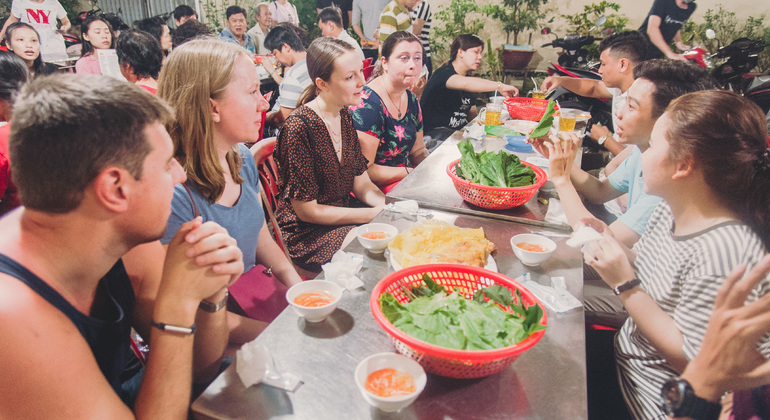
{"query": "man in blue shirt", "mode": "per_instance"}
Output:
(236, 28)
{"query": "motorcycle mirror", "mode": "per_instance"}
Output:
(545, 31)
(600, 21)
(710, 34)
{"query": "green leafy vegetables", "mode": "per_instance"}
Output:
(500, 169)
(545, 123)
(447, 319)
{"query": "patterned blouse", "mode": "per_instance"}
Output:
(396, 136)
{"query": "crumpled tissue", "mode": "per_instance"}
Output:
(406, 207)
(556, 298)
(474, 131)
(343, 270)
(582, 237)
(254, 365)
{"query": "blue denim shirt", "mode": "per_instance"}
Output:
(248, 43)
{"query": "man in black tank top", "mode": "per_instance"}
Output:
(95, 172)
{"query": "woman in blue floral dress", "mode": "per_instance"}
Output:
(389, 120)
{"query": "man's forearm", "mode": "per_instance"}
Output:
(210, 341)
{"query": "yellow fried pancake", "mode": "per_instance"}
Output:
(434, 241)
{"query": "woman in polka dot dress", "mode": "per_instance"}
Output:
(320, 160)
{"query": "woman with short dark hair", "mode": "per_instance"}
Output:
(447, 100)
(140, 58)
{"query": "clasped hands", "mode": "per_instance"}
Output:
(201, 261)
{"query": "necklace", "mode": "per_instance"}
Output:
(397, 105)
(335, 136)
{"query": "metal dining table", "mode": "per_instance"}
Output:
(546, 382)
(431, 187)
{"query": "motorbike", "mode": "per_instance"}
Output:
(733, 71)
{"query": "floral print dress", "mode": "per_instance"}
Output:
(396, 136)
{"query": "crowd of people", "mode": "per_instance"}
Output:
(136, 204)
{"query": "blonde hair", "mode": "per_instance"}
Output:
(194, 73)
(321, 56)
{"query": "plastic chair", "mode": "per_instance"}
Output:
(268, 179)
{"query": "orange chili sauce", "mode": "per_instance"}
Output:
(375, 235)
(390, 383)
(314, 299)
(531, 247)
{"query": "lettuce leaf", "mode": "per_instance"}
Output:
(545, 123)
(447, 319)
(498, 169)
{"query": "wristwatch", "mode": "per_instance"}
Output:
(679, 400)
(601, 140)
(214, 307)
(626, 286)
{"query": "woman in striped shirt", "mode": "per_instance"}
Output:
(709, 162)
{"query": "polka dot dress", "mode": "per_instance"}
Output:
(308, 169)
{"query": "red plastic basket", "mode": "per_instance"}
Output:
(531, 109)
(440, 360)
(496, 198)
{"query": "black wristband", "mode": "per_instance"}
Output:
(627, 286)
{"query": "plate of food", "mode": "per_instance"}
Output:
(434, 241)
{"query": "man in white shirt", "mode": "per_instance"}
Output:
(287, 47)
(260, 30)
(330, 23)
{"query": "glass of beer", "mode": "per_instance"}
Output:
(537, 93)
(493, 112)
(567, 120)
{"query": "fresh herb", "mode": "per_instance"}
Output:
(452, 321)
(500, 169)
(545, 123)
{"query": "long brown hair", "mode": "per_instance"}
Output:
(194, 73)
(321, 56)
(725, 135)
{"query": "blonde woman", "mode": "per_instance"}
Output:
(213, 87)
(320, 160)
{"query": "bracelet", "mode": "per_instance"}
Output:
(174, 328)
(207, 306)
(627, 286)
(406, 168)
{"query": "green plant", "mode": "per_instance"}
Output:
(456, 18)
(582, 23)
(494, 62)
(728, 27)
(516, 16)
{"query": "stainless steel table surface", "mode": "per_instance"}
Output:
(546, 382)
(431, 187)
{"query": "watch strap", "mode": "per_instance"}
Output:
(207, 306)
(627, 286)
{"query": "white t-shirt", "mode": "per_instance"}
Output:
(42, 16)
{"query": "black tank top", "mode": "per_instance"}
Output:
(108, 336)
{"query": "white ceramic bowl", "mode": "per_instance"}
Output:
(396, 361)
(319, 313)
(376, 245)
(530, 257)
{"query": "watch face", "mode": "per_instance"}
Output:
(672, 395)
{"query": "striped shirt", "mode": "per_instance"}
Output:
(682, 274)
(393, 18)
(294, 82)
(423, 12)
